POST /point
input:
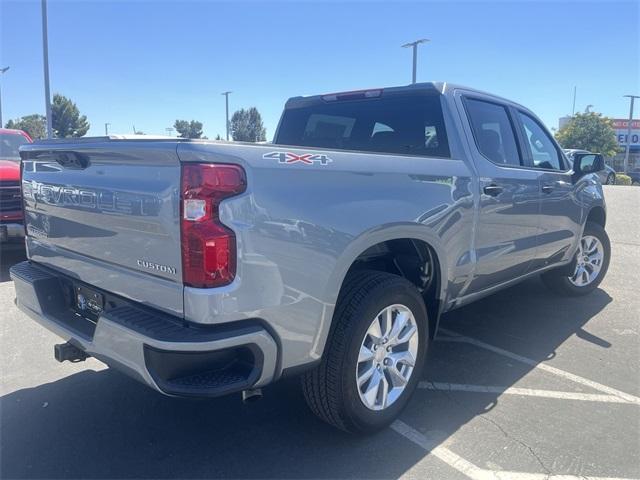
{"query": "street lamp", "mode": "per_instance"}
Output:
(226, 101)
(45, 56)
(106, 129)
(626, 153)
(414, 45)
(2, 70)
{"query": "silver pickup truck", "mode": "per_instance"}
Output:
(204, 268)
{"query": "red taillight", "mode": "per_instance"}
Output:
(208, 247)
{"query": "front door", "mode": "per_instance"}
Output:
(560, 209)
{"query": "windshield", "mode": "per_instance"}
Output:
(9, 144)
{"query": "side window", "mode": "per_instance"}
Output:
(493, 131)
(544, 152)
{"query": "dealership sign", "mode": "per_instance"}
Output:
(621, 127)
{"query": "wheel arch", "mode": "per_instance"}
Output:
(421, 236)
(597, 214)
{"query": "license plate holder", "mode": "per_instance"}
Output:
(87, 301)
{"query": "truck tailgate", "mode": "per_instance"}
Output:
(106, 212)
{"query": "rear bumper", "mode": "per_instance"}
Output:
(11, 231)
(162, 351)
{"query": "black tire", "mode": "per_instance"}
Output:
(330, 389)
(611, 179)
(558, 280)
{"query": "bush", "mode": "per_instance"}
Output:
(622, 179)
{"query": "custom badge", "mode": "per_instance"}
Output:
(305, 158)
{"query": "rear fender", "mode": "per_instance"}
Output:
(362, 243)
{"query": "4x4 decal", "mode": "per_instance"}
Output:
(306, 158)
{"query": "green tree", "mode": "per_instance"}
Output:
(66, 119)
(35, 125)
(218, 137)
(188, 129)
(247, 126)
(589, 131)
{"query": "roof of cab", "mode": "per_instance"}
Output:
(427, 88)
(423, 87)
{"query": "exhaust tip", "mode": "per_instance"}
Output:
(252, 395)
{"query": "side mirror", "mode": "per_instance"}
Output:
(585, 163)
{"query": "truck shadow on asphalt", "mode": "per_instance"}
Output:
(101, 424)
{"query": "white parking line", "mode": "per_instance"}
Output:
(527, 392)
(455, 337)
(469, 469)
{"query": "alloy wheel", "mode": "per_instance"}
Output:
(387, 357)
(589, 259)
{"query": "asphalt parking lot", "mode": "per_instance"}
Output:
(521, 385)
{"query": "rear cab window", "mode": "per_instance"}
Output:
(408, 124)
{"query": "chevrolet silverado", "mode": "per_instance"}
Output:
(203, 268)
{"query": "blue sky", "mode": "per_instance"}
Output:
(148, 63)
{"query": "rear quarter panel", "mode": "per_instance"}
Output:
(300, 226)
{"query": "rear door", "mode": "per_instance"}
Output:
(560, 210)
(507, 226)
(107, 213)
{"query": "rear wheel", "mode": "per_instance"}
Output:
(591, 264)
(611, 179)
(374, 355)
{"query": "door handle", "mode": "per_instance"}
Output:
(547, 188)
(493, 190)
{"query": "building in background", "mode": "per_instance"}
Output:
(620, 126)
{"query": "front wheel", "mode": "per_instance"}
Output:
(591, 264)
(374, 355)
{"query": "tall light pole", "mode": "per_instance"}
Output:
(414, 45)
(169, 130)
(45, 54)
(2, 70)
(106, 129)
(626, 153)
(226, 101)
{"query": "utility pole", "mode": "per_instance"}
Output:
(626, 153)
(45, 54)
(414, 45)
(573, 110)
(226, 101)
(2, 70)
(106, 129)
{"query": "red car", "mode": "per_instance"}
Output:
(11, 214)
